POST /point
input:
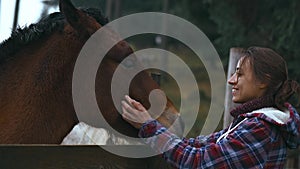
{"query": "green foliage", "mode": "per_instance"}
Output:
(134, 6)
(274, 24)
(89, 3)
(231, 23)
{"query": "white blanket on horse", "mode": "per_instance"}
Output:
(83, 134)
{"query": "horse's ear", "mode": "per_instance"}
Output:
(81, 22)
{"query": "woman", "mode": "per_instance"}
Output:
(264, 125)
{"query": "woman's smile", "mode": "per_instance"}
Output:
(245, 86)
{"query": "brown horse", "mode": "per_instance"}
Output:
(37, 63)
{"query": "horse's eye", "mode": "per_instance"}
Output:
(128, 63)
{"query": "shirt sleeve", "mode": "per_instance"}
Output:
(245, 147)
(151, 127)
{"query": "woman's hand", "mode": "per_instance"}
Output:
(134, 112)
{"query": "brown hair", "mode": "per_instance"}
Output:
(270, 68)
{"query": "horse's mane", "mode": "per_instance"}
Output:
(23, 36)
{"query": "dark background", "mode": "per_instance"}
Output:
(227, 23)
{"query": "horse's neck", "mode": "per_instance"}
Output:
(41, 65)
(36, 85)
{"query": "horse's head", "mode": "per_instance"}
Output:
(140, 87)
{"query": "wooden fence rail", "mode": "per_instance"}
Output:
(72, 157)
(86, 157)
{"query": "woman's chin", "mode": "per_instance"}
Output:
(236, 100)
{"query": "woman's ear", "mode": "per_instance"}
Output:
(263, 85)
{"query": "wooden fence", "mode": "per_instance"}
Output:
(86, 157)
(73, 157)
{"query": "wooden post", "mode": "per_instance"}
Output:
(108, 10)
(117, 12)
(235, 55)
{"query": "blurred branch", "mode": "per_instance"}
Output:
(16, 15)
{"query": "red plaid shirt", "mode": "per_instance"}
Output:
(257, 142)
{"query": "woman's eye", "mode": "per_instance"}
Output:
(236, 73)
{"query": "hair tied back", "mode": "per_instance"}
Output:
(290, 91)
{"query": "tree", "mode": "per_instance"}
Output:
(274, 24)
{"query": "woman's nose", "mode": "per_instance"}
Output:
(232, 80)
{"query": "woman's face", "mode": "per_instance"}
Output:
(245, 86)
